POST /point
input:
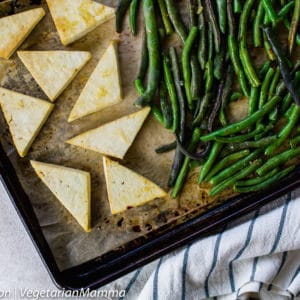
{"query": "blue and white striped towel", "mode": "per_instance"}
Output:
(258, 253)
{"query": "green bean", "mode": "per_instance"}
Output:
(219, 64)
(195, 164)
(237, 6)
(202, 51)
(222, 12)
(209, 64)
(225, 96)
(185, 167)
(134, 6)
(235, 96)
(171, 91)
(253, 100)
(266, 183)
(143, 67)
(286, 103)
(180, 94)
(214, 24)
(247, 64)
(240, 175)
(285, 131)
(283, 64)
(166, 148)
(196, 79)
(192, 13)
(295, 141)
(268, 49)
(257, 39)
(234, 168)
(154, 54)
(256, 180)
(120, 13)
(165, 106)
(157, 114)
(262, 135)
(287, 100)
(216, 105)
(216, 148)
(278, 160)
(165, 18)
(270, 10)
(245, 123)
(267, 45)
(281, 85)
(139, 86)
(239, 138)
(274, 82)
(265, 88)
(288, 26)
(274, 114)
(226, 161)
(244, 54)
(264, 69)
(288, 112)
(233, 51)
(244, 19)
(176, 20)
(203, 109)
(261, 143)
(285, 10)
(186, 52)
(294, 25)
(176, 166)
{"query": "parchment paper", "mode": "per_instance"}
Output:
(69, 243)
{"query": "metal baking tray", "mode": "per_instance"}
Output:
(104, 269)
(118, 244)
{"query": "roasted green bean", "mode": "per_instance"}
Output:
(234, 168)
(245, 123)
(226, 161)
(232, 180)
(186, 52)
(265, 184)
(278, 160)
(216, 148)
(154, 54)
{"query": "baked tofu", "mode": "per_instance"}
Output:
(54, 70)
(127, 189)
(25, 117)
(114, 138)
(71, 187)
(103, 89)
(75, 18)
(15, 28)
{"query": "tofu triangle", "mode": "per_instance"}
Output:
(126, 188)
(103, 89)
(71, 187)
(15, 28)
(114, 138)
(54, 70)
(25, 117)
(74, 19)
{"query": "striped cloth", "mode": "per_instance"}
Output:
(257, 253)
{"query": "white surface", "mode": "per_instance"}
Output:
(20, 264)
